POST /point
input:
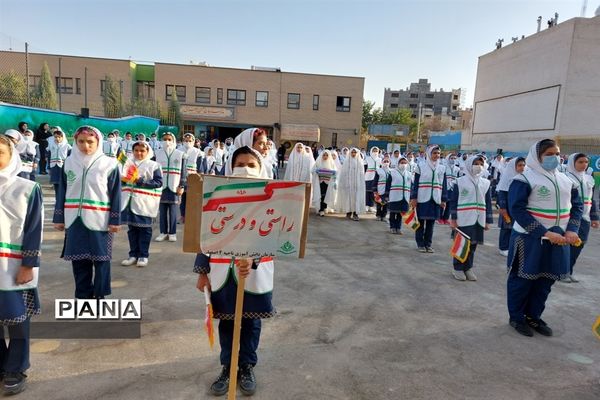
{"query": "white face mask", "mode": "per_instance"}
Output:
(27, 138)
(385, 164)
(411, 159)
(189, 145)
(112, 139)
(477, 170)
(401, 167)
(168, 144)
(245, 172)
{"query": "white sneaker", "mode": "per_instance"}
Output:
(321, 214)
(459, 275)
(504, 253)
(129, 261)
(142, 262)
(573, 279)
(161, 237)
(172, 238)
(471, 275)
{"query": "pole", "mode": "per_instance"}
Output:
(237, 330)
(59, 83)
(85, 87)
(419, 125)
(27, 71)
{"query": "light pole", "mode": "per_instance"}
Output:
(419, 124)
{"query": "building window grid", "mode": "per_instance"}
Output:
(414, 95)
(316, 100)
(236, 97)
(395, 94)
(219, 95)
(262, 99)
(393, 105)
(189, 128)
(34, 81)
(203, 95)
(64, 85)
(77, 85)
(343, 104)
(145, 90)
(293, 101)
(180, 92)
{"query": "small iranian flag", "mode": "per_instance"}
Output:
(411, 220)
(122, 157)
(596, 328)
(461, 246)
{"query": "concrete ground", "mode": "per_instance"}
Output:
(363, 316)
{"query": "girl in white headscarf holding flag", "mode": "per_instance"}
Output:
(140, 199)
(429, 195)
(513, 167)
(21, 218)
(380, 182)
(451, 176)
(398, 193)
(88, 206)
(58, 151)
(547, 210)
(577, 165)
(300, 165)
(372, 164)
(351, 186)
(323, 182)
(471, 212)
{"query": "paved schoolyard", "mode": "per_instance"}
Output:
(363, 316)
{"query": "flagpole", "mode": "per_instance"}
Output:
(462, 233)
(237, 328)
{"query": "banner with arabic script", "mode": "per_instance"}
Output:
(245, 217)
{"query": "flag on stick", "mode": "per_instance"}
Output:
(461, 246)
(411, 220)
(122, 157)
(130, 173)
(208, 319)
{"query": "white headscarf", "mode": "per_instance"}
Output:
(9, 173)
(336, 159)
(571, 166)
(533, 162)
(510, 172)
(84, 160)
(351, 184)
(432, 164)
(469, 168)
(209, 159)
(299, 165)
(21, 145)
(246, 138)
(149, 155)
(30, 145)
(325, 164)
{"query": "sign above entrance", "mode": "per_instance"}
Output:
(202, 112)
(310, 133)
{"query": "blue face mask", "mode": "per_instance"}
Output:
(550, 163)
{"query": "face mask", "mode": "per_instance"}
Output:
(189, 145)
(245, 172)
(168, 145)
(385, 164)
(477, 170)
(550, 162)
(27, 138)
(112, 139)
(402, 167)
(411, 159)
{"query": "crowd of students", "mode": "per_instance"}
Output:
(544, 218)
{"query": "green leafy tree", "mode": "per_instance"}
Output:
(44, 95)
(13, 88)
(173, 116)
(111, 98)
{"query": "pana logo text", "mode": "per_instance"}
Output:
(117, 309)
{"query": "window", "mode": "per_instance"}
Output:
(219, 95)
(34, 81)
(102, 87)
(145, 90)
(414, 95)
(412, 105)
(203, 95)
(453, 118)
(64, 85)
(315, 102)
(334, 139)
(454, 108)
(430, 106)
(293, 101)
(393, 105)
(179, 90)
(236, 97)
(189, 128)
(342, 104)
(455, 97)
(395, 94)
(429, 95)
(77, 85)
(262, 99)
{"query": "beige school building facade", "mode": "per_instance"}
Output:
(216, 102)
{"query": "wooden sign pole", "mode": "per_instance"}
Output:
(237, 330)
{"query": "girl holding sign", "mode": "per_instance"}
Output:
(21, 213)
(547, 210)
(88, 205)
(218, 274)
(140, 200)
(324, 185)
(471, 212)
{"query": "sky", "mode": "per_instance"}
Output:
(389, 43)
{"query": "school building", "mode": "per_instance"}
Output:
(216, 102)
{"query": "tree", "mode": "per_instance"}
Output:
(146, 107)
(111, 98)
(13, 88)
(44, 95)
(173, 115)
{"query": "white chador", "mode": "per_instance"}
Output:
(373, 164)
(324, 171)
(351, 184)
(246, 138)
(143, 201)
(87, 188)
(170, 160)
(15, 193)
(431, 178)
(472, 188)
(585, 186)
(299, 165)
(550, 198)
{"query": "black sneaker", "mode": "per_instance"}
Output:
(522, 328)
(349, 215)
(220, 386)
(247, 380)
(539, 326)
(355, 217)
(14, 382)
